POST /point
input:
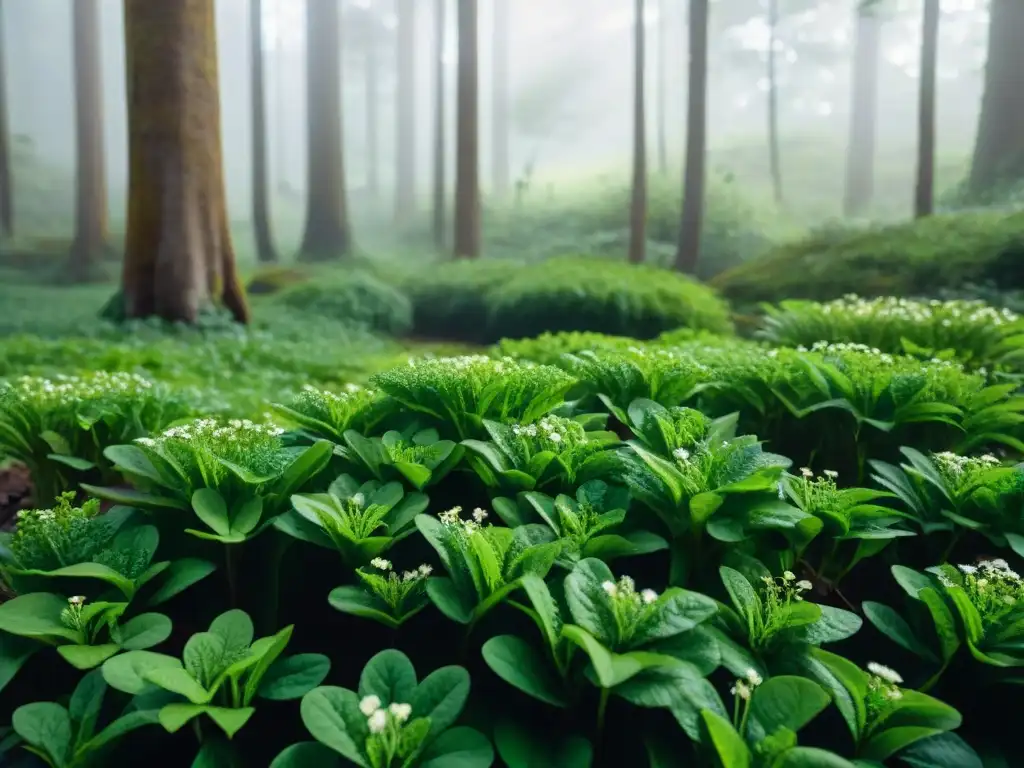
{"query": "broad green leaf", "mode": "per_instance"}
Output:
(784, 702)
(134, 460)
(942, 618)
(235, 628)
(677, 610)
(545, 609)
(306, 754)
(727, 743)
(174, 716)
(125, 671)
(446, 596)
(293, 677)
(440, 696)
(943, 750)
(36, 614)
(248, 516)
(130, 498)
(588, 602)
(357, 602)
(179, 576)
(121, 726)
(332, 716)
(90, 571)
(87, 656)
(14, 652)
(833, 624)
(888, 742)
(262, 655)
(742, 594)
(390, 676)
(912, 581)
(889, 622)
(144, 631)
(211, 508)
(520, 665)
(811, 757)
(46, 726)
(458, 748)
(521, 747)
(177, 680)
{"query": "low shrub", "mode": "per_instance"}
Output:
(915, 258)
(358, 298)
(274, 279)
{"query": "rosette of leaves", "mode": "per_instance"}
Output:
(418, 457)
(725, 490)
(853, 528)
(393, 720)
(84, 633)
(57, 427)
(69, 542)
(593, 524)
(236, 476)
(639, 644)
(979, 608)
(954, 494)
(485, 563)
(384, 595)
(322, 415)
(360, 522)
(460, 392)
(556, 451)
(884, 718)
(70, 736)
(770, 627)
(220, 674)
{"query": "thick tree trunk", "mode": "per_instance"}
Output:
(265, 250)
(500, 95)
(638, 205)
(405, 155)
(688, 251)
(372, 105)
(860, 156)
(327, 233)
(924, 196)
(90, 242)
(178, 253)
(773, 103)
(999, 151)
(467, 175)
(440, 40)
(662, 86)
(6, 191)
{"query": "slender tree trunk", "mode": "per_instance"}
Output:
(662, 80)
(999, 148)
(6, 191)
(372, 106)
(688, 251)
(178, 254)
(500, 95)
(925, 191)
(265, 251)
(773, 102)
(440, 40)
(405, 172)
(90, 242)
(327, 233)
(860, 156)
(467, 175)
(638, 206)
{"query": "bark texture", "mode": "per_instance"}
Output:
(688, 250)
(500, 94)
(775, 161)
(999, 151)
(405, 154)
(467, 175)
(638, 204)
(178, 255)
(440, 134)
(90, 242)
(327, 234)
(6, 186)
(860, 156)
(924, 193)
(265, 250)
(662, 87)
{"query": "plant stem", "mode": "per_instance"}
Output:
(931, 681)
(197, 729)
(602, 706)
(231, 564)
(953, 541)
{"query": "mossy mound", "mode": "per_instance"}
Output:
(274, 279)
(357, 298)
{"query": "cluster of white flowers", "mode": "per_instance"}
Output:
(915, 311)
(200, 429)
(884, 672)
(418, 573)
(546, 427)
(452, 519)
(953, 465)
(68, 390)
(883, 687)
(990, 569)
(378, 718)
(681, 454)
(808, 474)
(744, 687)
(625, 591)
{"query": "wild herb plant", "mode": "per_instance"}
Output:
(323, 415)
(384, 595)
(416, 456)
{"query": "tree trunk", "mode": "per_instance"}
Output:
(662, 80)
(999, 148)
(372, 105)
(265, 251)
(327, 233)
(638, 206)
(925, 190)
(6, 192)
(688, 251)
(860, 156)
(440, 38)
(405, 172)
(90, 242)
(178, 254)
(500, 94)
(773, 103)
(467, 174)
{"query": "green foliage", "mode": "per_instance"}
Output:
(358, 298)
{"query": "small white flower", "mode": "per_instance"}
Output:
(789, 576)
(381, 564)
(378, 721)
(554, 437)
(77, 600)
(740, 689)
(479, 515)
(681, 453)
(894, 694)
(884, 672)
(753, 677)
(806, 472)
(401, 711)
(425, 570)
(649, 596)
(982, 583)
(610, 588)
(803, 585)
(369, 704)
(831, 473)
(968, 569)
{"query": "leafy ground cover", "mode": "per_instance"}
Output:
(688, 550)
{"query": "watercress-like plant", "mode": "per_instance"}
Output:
(220, 674)
(384, 595)
(417, 456)
(393, 721)
(361, 522)
(323, 415)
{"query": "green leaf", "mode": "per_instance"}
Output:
(87, 656)
(293, 677)
(811, 757)
(390, 676)
(125, 671)
(14, 652)
(521, 747)
(134, 460)
(81, 465)
(889, 622)
(742, 594)
(248, 516)
(417, 475)
(676, 611)
(179, 576)
(588, 603)
(446, 596)
(46, 726)
(306, 754)
(144, 631)
(832, 625)
(358, 602)
(440, 697)
(120, 727)
(727, 743)
(90, 571)
(943, 750)
(888, 742)
(211, 508)
(174, 716)
(912, 581)
(177, 680)
(942, 618)
(36, 614)
(129, 498)
(266, 651)
(305, 467)
(545, 610)
(235, 628)
(332, 717)
(458, 748)
(784, 702)
(520, 665)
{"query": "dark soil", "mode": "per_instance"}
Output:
(15, 494)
